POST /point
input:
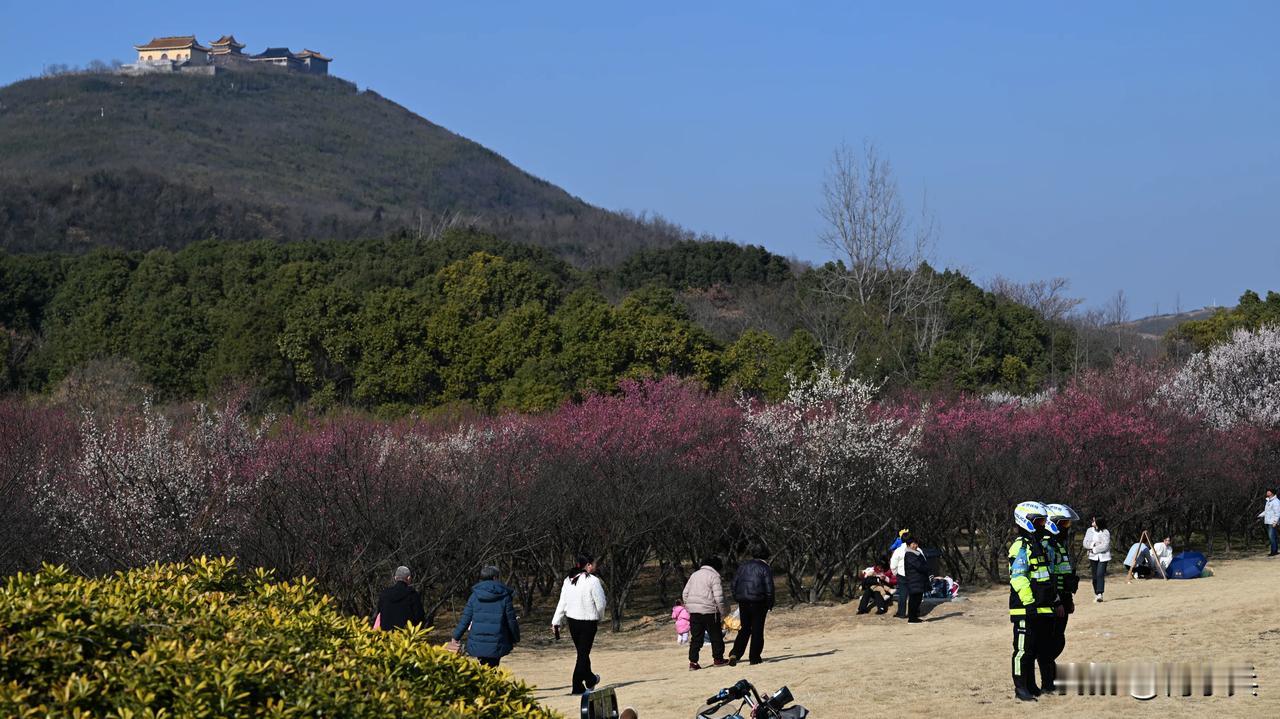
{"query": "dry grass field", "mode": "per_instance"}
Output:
(955, 664)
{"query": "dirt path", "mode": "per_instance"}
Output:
(956, 664)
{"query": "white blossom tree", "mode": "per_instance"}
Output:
(1232, 383)
(142, 492)
(824, 467)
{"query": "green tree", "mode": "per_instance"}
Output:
(398, 362)
(318, 342)
(83, 320)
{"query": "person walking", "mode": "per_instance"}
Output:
(703, 596)
(1065, 582)
(582, 604)
(1097, 541)
(1031, 596)
(753, 588)
(489, 619)
(680, 615)
(917, 579)
(399, 604)
(1270, 515)
(900, 573)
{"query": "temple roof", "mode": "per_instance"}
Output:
(273, 52)
(175, 42)
(316, 55)
(226, 41)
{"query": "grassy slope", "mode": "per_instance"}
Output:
(278, 137)
(88, 160)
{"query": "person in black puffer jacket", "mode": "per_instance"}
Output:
(399, 604)
(917, 579)
(490, 617)
(753, 588)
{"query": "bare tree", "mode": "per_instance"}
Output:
(1087, 326)
(880, 273)
(1116, 313)
(1048, 297)
(433, 227)
(1117, 308)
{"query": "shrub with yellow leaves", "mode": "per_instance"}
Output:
(205, 639)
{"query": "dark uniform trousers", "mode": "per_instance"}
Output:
(1030, 635)
(1050, 648)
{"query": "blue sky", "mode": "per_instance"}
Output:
(1131, 145)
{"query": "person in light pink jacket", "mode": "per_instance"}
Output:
(681, 616)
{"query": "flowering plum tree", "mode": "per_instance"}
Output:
(1235, 382)
(823, 468)
(143, 490)
(622, 474)
(36, 444)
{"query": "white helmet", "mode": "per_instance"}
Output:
(1025, 514)
(1061, 512)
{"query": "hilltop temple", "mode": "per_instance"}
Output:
(183, 53)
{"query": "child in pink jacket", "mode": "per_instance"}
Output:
(681, 615)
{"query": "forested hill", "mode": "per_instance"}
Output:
(96, 160)
(402, 324)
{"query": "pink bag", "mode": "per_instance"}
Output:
(377, 621)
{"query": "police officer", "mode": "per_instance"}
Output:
(1056, 541)
(1031, 595)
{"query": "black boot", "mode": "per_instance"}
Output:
(1022, 692)
(1048, 677)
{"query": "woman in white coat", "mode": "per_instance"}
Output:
(582, 604)
(1097, 540)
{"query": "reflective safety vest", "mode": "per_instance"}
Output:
(1064, 575)
(1030, 580)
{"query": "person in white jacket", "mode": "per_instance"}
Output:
(582, 604)
(1097, 541)
(1164, 553)
(897, 565)
(1270, 515)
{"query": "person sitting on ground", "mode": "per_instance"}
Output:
(489, 619)
(917, 568)
(1138, 560)
(1164, 553)
(877, 587)
(399, 604)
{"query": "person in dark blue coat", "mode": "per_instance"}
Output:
(491, 616)
(917, 579)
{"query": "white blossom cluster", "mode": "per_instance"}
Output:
(141, 494)
(820, 448)
(460, 442)
(1235, 382)
(1031, 401)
